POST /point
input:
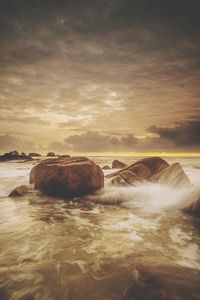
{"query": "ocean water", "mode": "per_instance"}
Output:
(145, 248)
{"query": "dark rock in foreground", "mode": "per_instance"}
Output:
(173, 176)
(193, 208)
(117, 164)
(51, 154)
(14, 155)
(19, 191)
(68, 177)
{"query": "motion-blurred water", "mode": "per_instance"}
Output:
(146, 248)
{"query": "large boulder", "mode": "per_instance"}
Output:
(173, 176)
(19, 191)
(117, 164)
(193, 208)
(67, 177)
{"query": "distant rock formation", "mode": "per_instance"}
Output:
(67, 177)
(14, 155)
(51, 154)
(34, 154)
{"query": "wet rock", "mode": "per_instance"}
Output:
(117, 164)
(130, 177)
(51, 154)
(140, 170)
(143, 168)
(67, 177)
(14, 155)
(19, 191)
(193, 208)
(106, 168)
(34, 154)
(153, 163)
(173, 176)
(118, 181)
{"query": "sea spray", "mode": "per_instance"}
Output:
(150, 197)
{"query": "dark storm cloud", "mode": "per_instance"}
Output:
(186, 134)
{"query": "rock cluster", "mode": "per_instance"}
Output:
(14, 155)
(137, 172)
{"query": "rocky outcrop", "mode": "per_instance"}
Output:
(142, 169)
(19, 191)
(51, 154)
(34, 154)
(193, 208)
(173, 176)
(14, 155)
(117, 164)
(68, 177)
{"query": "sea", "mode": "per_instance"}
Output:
(146, 248)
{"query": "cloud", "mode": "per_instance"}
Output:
(185, 134)
(92, 141)
(8, 143)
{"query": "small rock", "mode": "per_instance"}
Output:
(117, 164)
(19, 191)
(106, 168)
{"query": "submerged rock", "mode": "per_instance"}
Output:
(117, 164)
(67, 177)
(193, 208)
(174, 176)
(19, 191)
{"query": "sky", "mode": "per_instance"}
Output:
(100, 76)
